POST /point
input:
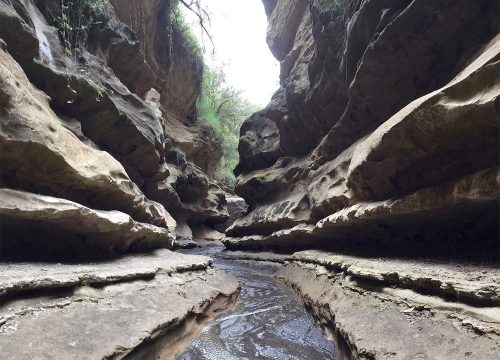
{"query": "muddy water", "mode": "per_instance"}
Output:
(267, 322)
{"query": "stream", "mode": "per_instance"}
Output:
(267, 322)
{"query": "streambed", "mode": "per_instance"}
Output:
(267, 322)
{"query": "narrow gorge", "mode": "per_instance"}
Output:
(364, 223)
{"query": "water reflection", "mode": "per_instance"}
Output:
(268, 322)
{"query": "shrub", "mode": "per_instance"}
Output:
(223, 108)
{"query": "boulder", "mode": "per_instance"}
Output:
(236, 208)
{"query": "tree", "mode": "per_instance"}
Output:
(223, 107)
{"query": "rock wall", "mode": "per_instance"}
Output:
(102, 162)
(377, 158)
(110, 127)
(383, 137)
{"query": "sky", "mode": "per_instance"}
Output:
(238, 28)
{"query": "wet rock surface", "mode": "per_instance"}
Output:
(267, 322)
(372, 322)
(379, 306)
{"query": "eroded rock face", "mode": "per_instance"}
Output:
(382, 128)
(90, 176)
(43, 227)
(40, 154)
(103, 137)
(176, 75)
(176, 71)
(379, 307)
(380, 151)
(135, 305)
(236, 208)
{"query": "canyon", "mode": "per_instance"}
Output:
(369, 184)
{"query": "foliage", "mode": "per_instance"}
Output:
(180, 25)
(74, 20)
(201, 14)
(222, 107)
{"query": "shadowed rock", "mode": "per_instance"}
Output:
(376, 111)
(44, 227)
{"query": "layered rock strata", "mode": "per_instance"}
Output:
(380, 150)
(380, 307)
(96, 127)
(108, 310)
(384, 134)
(101, 156)
(46, 227)
(236, 208)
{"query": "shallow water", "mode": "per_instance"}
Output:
(267, 322)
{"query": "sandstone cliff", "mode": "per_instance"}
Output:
(101, 156)
(109, 124)
(384, 133)
(380, 151)
(374, 167)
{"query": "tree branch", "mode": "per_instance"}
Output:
(199, 12)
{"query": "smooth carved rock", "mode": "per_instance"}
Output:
(283, 24)
(65, 228)
(437, 218)
(108, 115)
(259, 143)
(303, 47)
(123, 52)
(177, 71)
(236, 208)
(405, 154)
(117, 320)
(432, 56)
(373, 109)
(263, 220)
(41, 155)
(18, 277)
(466, 283)
(402, 322)
(269, 6)
(108, 112)
(334, 87)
